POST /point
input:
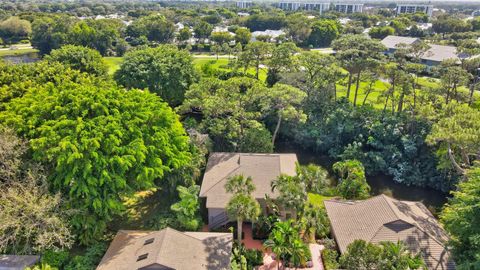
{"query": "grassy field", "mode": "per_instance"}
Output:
(199, 61)
(19, 51)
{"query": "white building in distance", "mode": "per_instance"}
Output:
(348, 8)
(320, 6)
(414, 8)
(244, 4)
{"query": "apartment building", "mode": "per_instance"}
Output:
(414, 8)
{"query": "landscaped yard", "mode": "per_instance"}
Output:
(317, 199)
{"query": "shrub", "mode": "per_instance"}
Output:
(56, 259)
(90, 259)
(329, 257)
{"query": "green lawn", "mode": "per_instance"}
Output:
(317, 199)
(113, 63)
(16, 52)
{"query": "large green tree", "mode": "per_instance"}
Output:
(164, 70)
(323, 33)
(461, 217)
(14, 30)
(457, 132)
(80, 58)
(155, 28)
(186, 209)
(100, 143)
(357, 53)
(231, 111)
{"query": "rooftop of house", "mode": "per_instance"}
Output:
(17, 262)
(439, 53)
(382, 218)
(263, 168)
(168, 249)
(391, 42)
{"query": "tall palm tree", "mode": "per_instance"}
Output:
(242, 206)
(278, 241)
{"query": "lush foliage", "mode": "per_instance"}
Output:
(187, 208)
(79, 58)
(352, 183)
(164, 70)
(98, 144)
(461, 217)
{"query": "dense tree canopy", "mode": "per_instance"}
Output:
(14, 29)
(164, 70)
(323, 33)
(155, 28)
(100, 142)
(80, 58)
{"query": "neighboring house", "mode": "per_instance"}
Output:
(432, 57)
(262, 168)
(382, 218)
(392, 42)
(438, 53)
(168, 249)
(17, 262)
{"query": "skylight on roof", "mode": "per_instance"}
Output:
(148, 241)
(142, 257)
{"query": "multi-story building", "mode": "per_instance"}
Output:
(244, 4)
(348, 7)
(414, 8)
(321, 6)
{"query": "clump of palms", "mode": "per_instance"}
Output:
(242, 206)
(285, 242)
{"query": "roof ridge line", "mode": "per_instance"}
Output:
(221, 179)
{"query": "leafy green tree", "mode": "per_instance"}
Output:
(254, 54)
(242, 206)
(221, 37)
(264, 21)
(14, 29)
(323, 33)
(101, 35)
(353, 184)
(381, 32)
(321, 75)
(361, 255)
(458, 133)
(357, 53)
(281, 60)
(461, 217)
(80, 58)
(292, 193)
(284, 101)
(243, 35)
(186, 209)
(452, 77)
(202, 29)
(164, 70)
(101, 143)
(51, 32)
(231, 112)
(298, 27)
(216, 49)
(155, 27)
(449, 24)
(184, 34)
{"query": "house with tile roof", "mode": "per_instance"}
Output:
(382, 218)
(262, 168)
(168, 249)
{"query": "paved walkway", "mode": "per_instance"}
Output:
(248, 240)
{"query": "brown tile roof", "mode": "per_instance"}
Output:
(169, 249)
(263, 168)
(382, 218)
